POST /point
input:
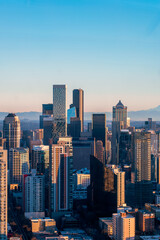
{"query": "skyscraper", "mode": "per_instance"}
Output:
(18, 164)
(123, 226)
(34, 195)
(59, 111)
(141, 149)
(12, 131)
(119, 121)
(3, 194)
(99, 127)
(60, 175)
(78, 103)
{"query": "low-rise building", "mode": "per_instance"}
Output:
(106, 226)
(41, 225)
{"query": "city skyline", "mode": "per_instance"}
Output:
(110, 49)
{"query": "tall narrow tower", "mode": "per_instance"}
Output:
(59, 111)
(78, 103)
(119, 122)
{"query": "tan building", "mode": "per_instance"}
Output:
(123, 226)
(141, 147)
(146, 221)
(18, 164)
(120, 182)
(41, 225)
(3, 194)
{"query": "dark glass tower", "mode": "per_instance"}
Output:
(99, 127)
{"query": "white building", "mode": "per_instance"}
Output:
(34, 195)
(3, 194)
(123, 226)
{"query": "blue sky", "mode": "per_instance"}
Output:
(109, 48)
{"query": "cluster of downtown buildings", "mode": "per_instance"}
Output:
(117, 172)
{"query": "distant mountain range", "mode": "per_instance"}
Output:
(142, 115)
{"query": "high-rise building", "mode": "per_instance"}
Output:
(40, 159)
(78, 103)
(146, 221)
(60, 175)
(119, 121)
(100, 151)
(123, 226)
(48, 126)
(34, 195)
(125, 147)
(18, 164)
(12, 131)
(47, 109)
(60, 111)
(119, 177)
(99, 128)
(141, 150)
(82, 149)
(3, 194)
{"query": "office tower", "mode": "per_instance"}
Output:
(141, 150)
(82, 149)
(12, 131)
(3, 194)
(143, 193)
(123, 226)
(78, 103)
(100, 151)
(40, 162)
(125, 147)
(119, 178)
(18, 164)
(48, 127)
(146, 221)
(74, 127)
(71, 113)
(119, 121)
(99, 128)
(33, 195)
(47, 109)
(102, 192)
(107, 188)
(59, 111)
(40, 158)
(60, 175)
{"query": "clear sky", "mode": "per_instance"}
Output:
(109, 48)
